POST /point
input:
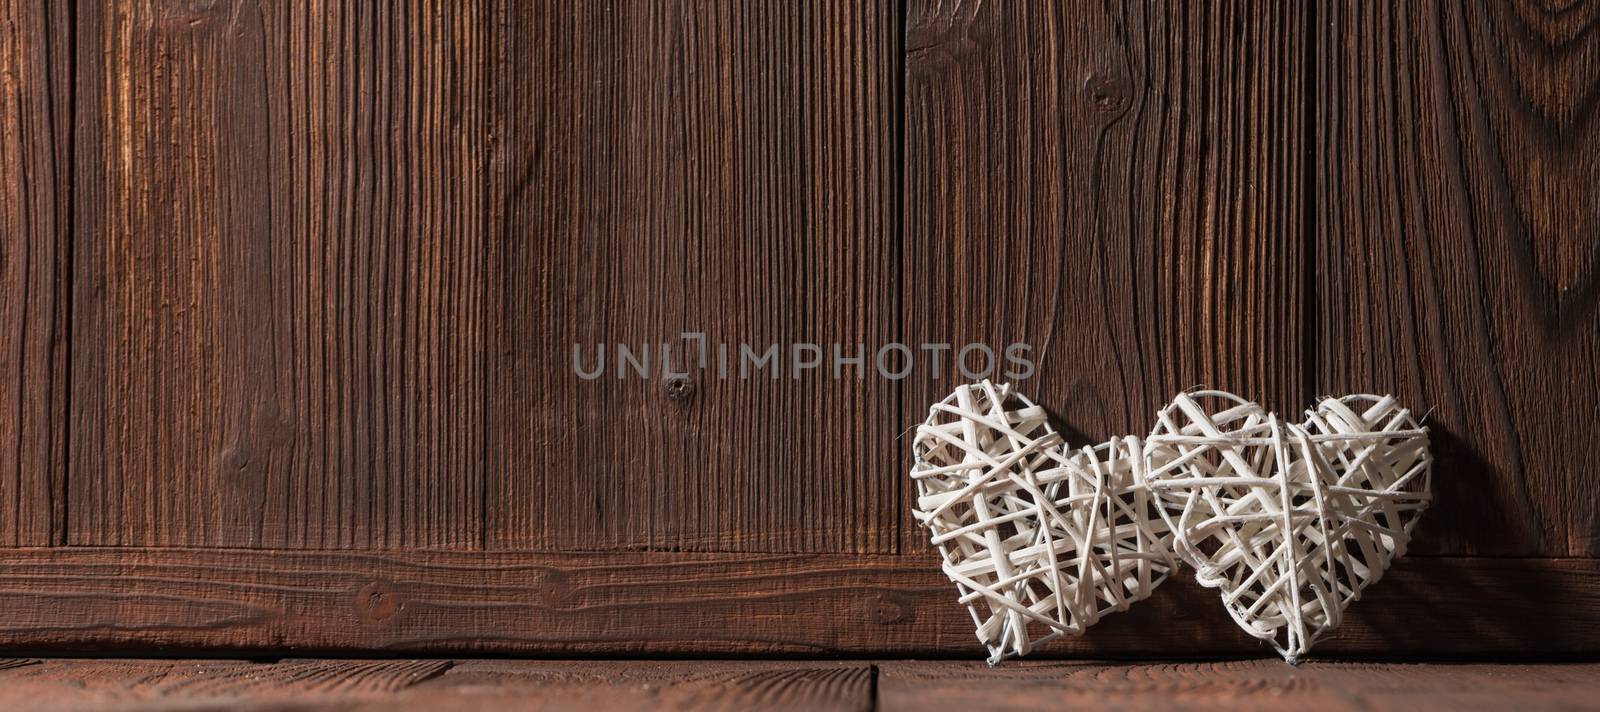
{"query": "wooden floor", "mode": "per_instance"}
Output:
(74, 684)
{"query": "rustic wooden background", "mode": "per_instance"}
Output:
(289, 292)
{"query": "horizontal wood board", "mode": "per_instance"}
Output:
(643, 603)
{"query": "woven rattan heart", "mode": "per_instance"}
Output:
(1290, 522)
(1040, 541)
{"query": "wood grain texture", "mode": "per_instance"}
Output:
(1118, 187)
(1458, 215)
(209, 684)
(282, 283)
(8, 663)
(640, 685)
(128, 685)
(703, 167)
(35, 229)
(1233, 685)
(922, 686)
(644, 603)
(278, 265)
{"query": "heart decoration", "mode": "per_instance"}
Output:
(1040, 541)
(1289, 521)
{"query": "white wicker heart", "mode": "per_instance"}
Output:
(1289, 521)
(1040, 541)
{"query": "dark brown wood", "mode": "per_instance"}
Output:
(638, 685)
(209, 684)
(434, 684)
(1119, 187)
(700, 167)
(1458, 153)
(281, 283)
(630, 603)
(35, 229)
(921, 686)
(278, 274)
(1234, 685)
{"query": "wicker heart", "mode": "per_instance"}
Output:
(1039, 541)
(1290, 522)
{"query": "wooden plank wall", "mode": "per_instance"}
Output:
(1458, 253)
(1117, 187)
(291, 290)
(671, 168)
(278, 266)
(35, 244)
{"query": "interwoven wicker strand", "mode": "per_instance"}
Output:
(1040, 541)
(1288, 521)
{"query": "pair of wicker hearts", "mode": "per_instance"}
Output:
(1288, 521)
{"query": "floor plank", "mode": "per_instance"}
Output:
(917, 686)
(602, 685)
(207, 684)
(1257, 684)
(62, 685)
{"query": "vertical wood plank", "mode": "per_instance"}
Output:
(675, 167)
(278, 274)
(1119, 187)
(35, 182)
(1459, 252)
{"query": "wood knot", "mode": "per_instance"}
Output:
(233, 462)
(1108, 92)
(377, 602)
(889, 607)
(679, 388)
(244, 461)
